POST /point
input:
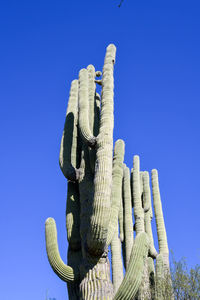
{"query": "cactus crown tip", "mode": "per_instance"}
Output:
(145, 174)
(120, 141)
(90, 67)
(111, 46)
(49, 221)
(136, 157)
(154, 172)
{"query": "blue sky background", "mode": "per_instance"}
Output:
(157, 94)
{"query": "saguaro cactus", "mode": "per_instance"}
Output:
(101, 201)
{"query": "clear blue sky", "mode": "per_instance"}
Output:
(157, 95)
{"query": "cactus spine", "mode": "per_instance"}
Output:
(100, 197)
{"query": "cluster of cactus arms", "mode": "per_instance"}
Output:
(108, 207)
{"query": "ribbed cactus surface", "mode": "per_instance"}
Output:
(105, 204)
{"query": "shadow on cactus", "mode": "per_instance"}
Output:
(102, 197)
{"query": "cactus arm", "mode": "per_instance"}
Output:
(106, 123)
(117, 175)
(97, 234)
(94, 111)
(141, 186)
(68, 147)
(148, 213)
(138, 209)
(84, 122)
(121, 220)
(134, 273)
(117, 265)
(63, 271)
(163, 278)
(128, 221)
(160, 224)
(91, 95)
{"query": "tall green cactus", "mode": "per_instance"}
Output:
(102, 200)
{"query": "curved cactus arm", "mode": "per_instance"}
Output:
(160, 224)
(84, 122)
(97, 234)
(68, 148)
(138, 209)
(132, 280)
(128, 221)
(147, 215)
(63, 271)
(117, 265)
(117, 175)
